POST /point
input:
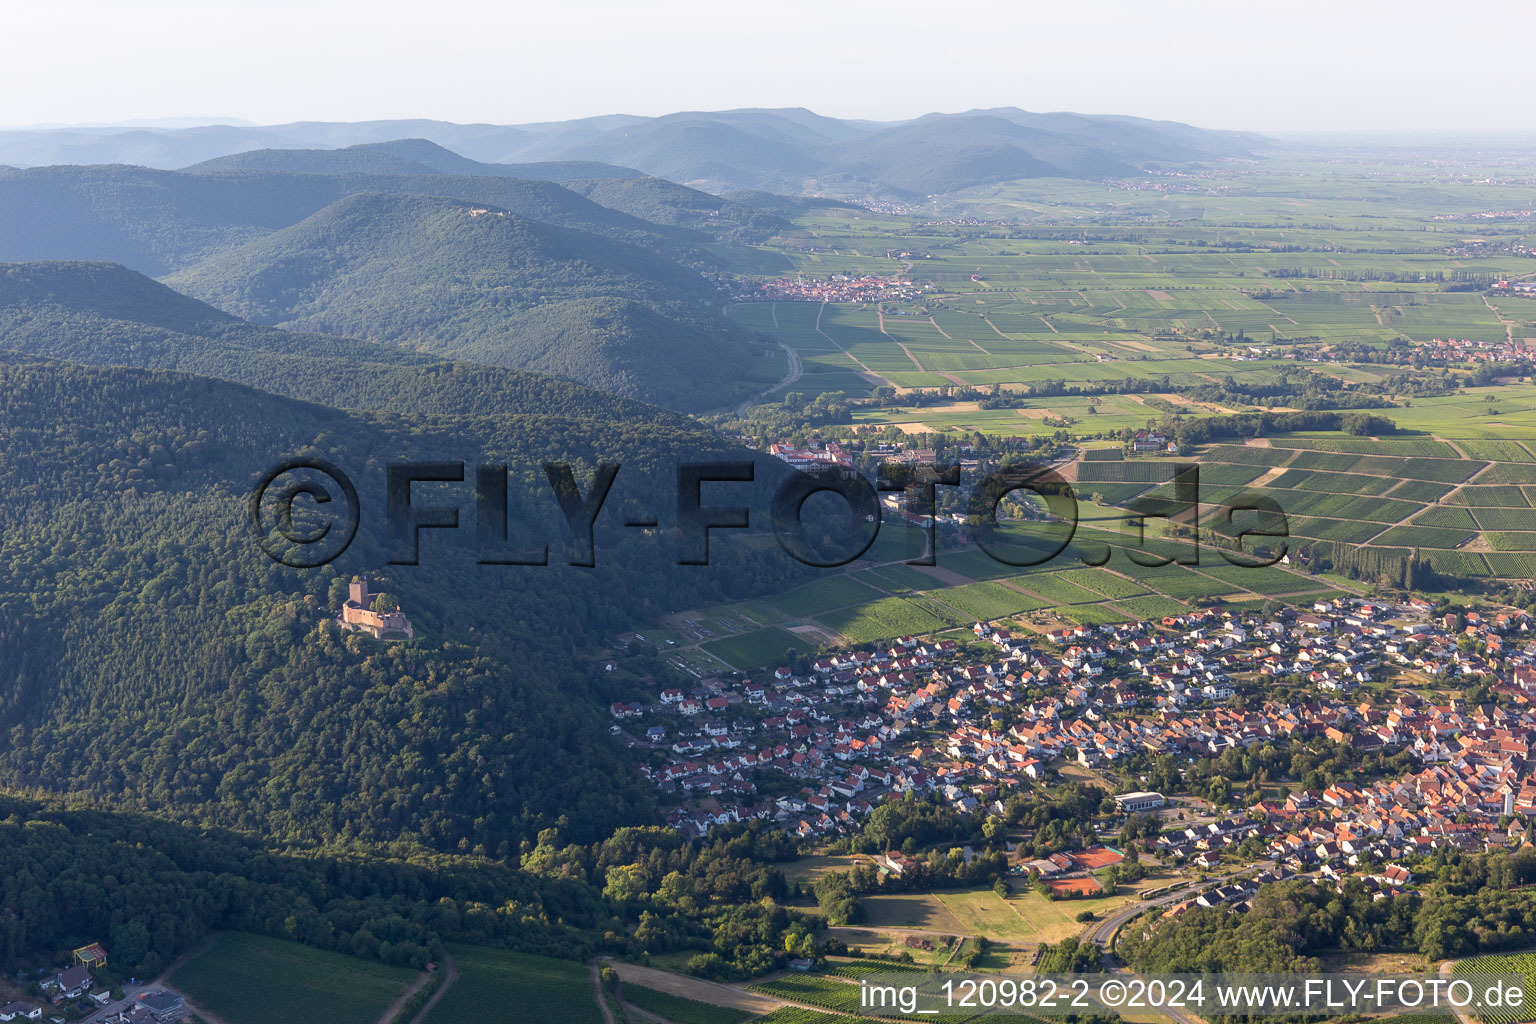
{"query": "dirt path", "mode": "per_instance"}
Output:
(1269, 475)
(450, 975)
(399, 1001)
(881, 314)
(1509, 325)
(597, 990)
(696, 988)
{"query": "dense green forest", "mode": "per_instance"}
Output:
(391, 244)
(251, 766)
(105, 315)
(664, 202)
(152, 889)
(476, 283)
(153, 656)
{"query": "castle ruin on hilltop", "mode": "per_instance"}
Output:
(358, 614)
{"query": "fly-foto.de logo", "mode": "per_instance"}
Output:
(305, 512)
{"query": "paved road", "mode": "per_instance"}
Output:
(1103, 932)
(795, 370)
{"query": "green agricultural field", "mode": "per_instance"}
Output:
(1523, 965)
(828, 993)
(1425, 537)
(986, 601)
(800, 1015)
(680, 1010)
(1470, 564)
(1512, 541)
(895, 578)
(1102, 581)
(1152, 607)
(1181, 583)
(500, 987)
(1421, 490)
(1057, 589)
(1511, 565)
(1094, 614)
(1479, 496)
(883, 619)
(758, 648)
(1507, 473)
(1263, 580)
(1451, 516)
(1503, 518)
(975, 564)
(821, 595)
(251, 979)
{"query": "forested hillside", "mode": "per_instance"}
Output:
(497, 270)
(159, 221)
(489, 286)
(104, 314)
(663, 202)
(154, 657)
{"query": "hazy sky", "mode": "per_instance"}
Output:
(1301, 65)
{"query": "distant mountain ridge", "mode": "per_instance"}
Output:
(158, 221)
(403, 156)
(547, 280)
(784, 150)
